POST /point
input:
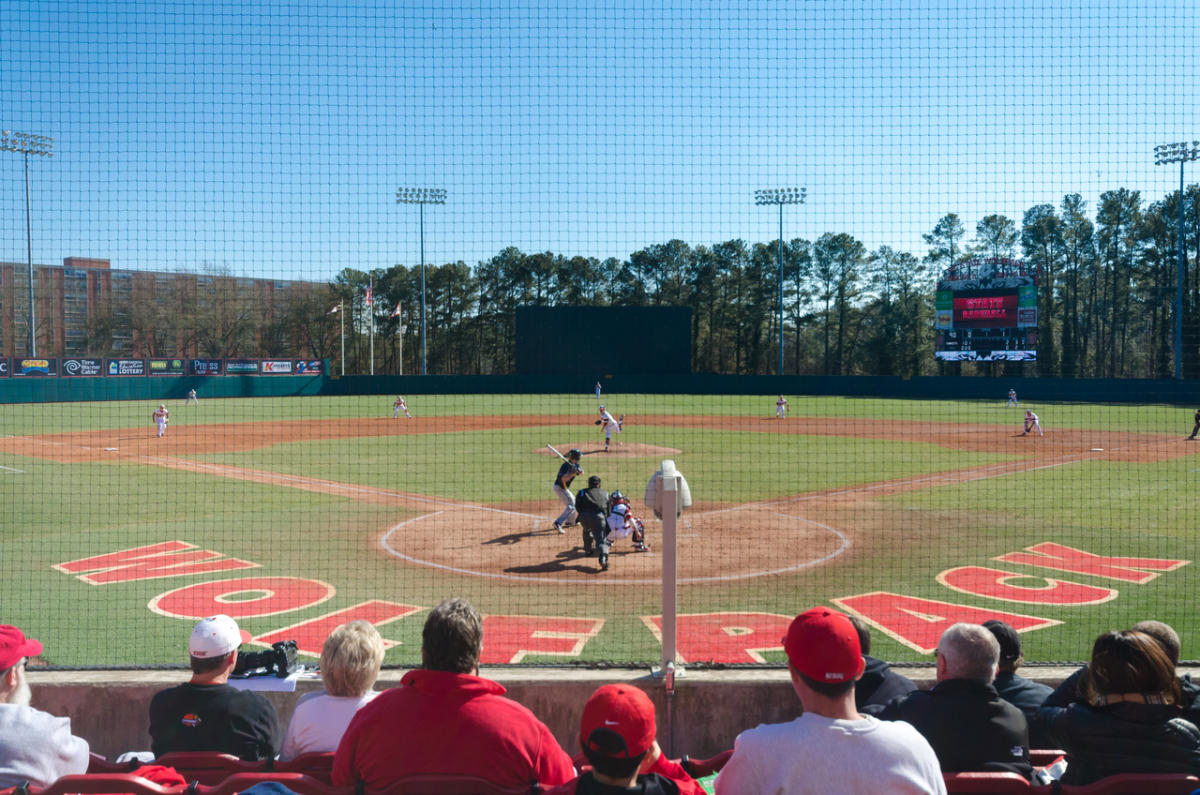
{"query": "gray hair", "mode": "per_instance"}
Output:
(970, 652)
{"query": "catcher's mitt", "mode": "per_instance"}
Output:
(597, 422)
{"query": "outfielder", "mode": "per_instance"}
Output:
(623, 524)
(562, 489)
(781, 408)
(1195, 427)
(610, 425)
(1012, 398)
(1031, 423)
(398, 406)
(597, 390)
(192, 399)
(161, 417)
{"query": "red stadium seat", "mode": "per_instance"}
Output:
(106, 783)
(991, 783)
(452, 784)
(1137, 784)
(699, 768)
(208, 767)
(98, 764)
(1040, 757)
(315, 765)
(297, 782)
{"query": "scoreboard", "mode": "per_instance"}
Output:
(986, 310)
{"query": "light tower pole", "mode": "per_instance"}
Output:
(421, 197)
(780, 196)
(1178, 153)
(28, 145)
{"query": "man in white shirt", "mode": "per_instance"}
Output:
(831, 748)
(34, 746)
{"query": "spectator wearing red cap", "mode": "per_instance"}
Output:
(34, 746)
(963, 717)
(445, 718)
(617, 735)
(207, 713)
(831, 748)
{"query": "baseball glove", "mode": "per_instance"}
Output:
(597, 422)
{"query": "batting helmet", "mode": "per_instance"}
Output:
(593, 481)
(573, 454)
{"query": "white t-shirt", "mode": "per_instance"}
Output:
(38, 747)
(319, 721)
(819, 755)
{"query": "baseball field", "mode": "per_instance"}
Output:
(296, 514)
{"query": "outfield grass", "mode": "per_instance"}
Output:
(53, 512)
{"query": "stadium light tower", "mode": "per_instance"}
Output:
(1178, 153)
(421, 197)
(28, 145)
(780, 196)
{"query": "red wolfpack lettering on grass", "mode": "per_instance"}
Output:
(168, 559)
(508, 639)
(919, 623)
(1063, 558)
(262, 596)
(994, 584)
(724, 637)
(310, 635)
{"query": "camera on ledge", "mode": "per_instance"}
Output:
(279, 660)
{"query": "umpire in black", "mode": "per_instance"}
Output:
(592, 506)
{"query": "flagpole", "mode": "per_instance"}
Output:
(371, 309)
(400, 334)
(342, 314)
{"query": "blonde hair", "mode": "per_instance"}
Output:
(351, 659)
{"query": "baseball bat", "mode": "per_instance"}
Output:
(560, 455)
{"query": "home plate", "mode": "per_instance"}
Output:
(1097, 450)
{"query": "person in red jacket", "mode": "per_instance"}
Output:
(617, 737)
(445, 718)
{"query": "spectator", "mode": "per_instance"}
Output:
(34, 746)
(830, 748)
(1131, 720)
(350, 663)
(879, 684)
(617, 735)
(208, 714)
(963, 717)
(1024, 694)
(445, 718)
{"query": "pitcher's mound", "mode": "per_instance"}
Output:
(618, 449)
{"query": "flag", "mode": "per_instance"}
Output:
(369, 301)
(335, 310)
(396, 312)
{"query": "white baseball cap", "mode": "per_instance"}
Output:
(215, 636)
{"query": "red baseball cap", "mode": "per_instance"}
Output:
(823, 645)
(619, 709)
(14, 645)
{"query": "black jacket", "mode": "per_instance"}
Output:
(969, 726)
(878, 685)
(1027, 696)
(1122, 738)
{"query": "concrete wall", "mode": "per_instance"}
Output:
(109, 708)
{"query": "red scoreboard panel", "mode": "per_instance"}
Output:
(986, 309)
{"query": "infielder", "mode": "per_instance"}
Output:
(398, 406)
(562, 489)
(781, 408)
(610, 425)
(597, 390)
(160, 417)
(1031, 423)
(192, 399)
(1195, 427)
(1012, 398)
(623, 524)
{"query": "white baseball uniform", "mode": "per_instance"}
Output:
(192, 399)
(781, 407)
(1032, 424)
(1012, 398)
(400, 406)
(597, 390)
(161, 415)
(609, 424)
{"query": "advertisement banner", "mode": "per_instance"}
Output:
(308, 367)
(277, 367)
(124, 367)
(82, 368)
(239, 366)
(206, 366)
(3, 367)
(34, 368)
(167, 366)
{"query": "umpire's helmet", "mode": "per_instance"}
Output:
(593, 481)
(574, 454)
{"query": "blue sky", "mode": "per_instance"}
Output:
(269, 138)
